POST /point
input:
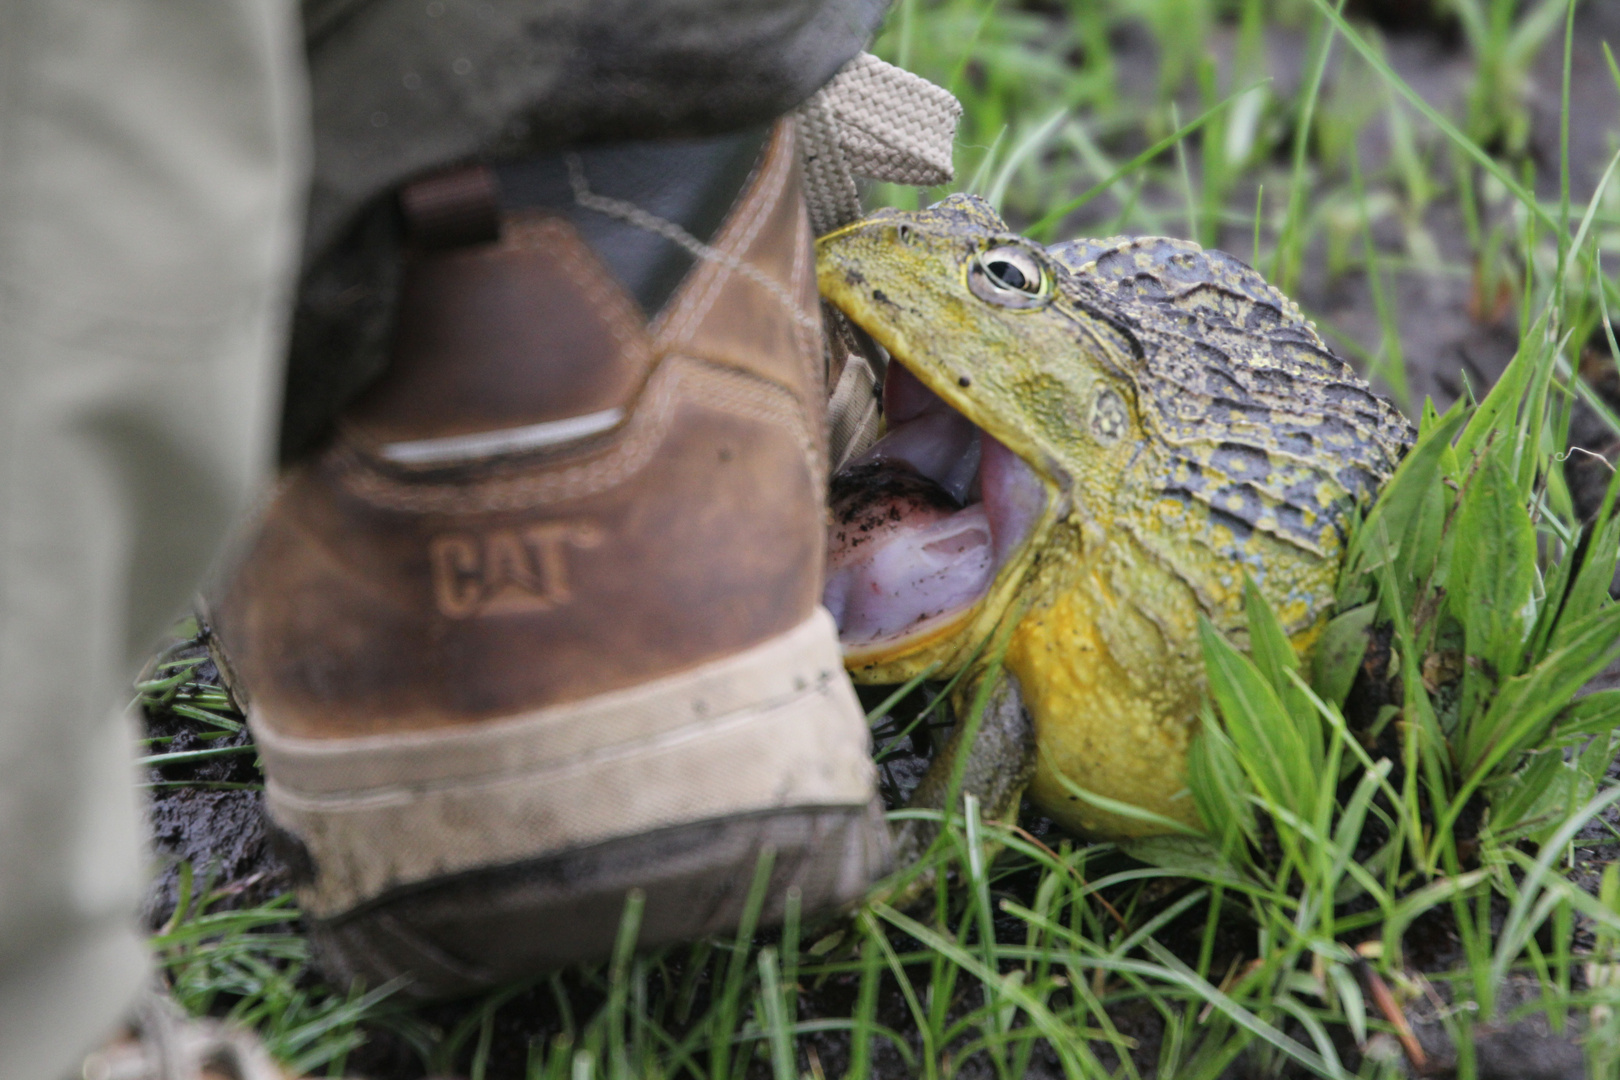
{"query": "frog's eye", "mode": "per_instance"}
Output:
(1010, 276)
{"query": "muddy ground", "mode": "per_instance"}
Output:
(1450, 337)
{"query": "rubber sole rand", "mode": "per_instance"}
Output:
(467, 932)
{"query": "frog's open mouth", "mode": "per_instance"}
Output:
(922, 523)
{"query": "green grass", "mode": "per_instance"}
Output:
(1451, 796)
(252, 967)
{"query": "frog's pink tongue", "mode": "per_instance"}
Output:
(923, 521)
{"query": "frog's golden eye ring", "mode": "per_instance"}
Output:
(1010, 276)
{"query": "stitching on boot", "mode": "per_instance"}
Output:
(737, 237)
(642, 219)
(550, 235)
(803, 277)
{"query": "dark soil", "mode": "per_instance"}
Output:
(198, 815)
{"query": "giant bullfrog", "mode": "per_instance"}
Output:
(1088, 446)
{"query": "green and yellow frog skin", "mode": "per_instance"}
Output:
(1150, 423)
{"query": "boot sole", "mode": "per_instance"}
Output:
(463, 934)
(467, 856)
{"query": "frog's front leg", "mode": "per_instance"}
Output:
(994, 757)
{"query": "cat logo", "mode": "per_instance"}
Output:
(523, 569)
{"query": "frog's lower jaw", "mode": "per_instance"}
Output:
(922, 525)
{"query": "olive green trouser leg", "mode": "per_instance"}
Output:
(151, 185)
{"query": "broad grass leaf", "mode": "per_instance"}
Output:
(1220, 788)
(1378, 541)
(1426, 552)
(1339, 652)
(1550, 612)
(1426, 555)
(1416, 704)
(1524, 709)
(1593, 762)
(1533, 796)
(1530, 455)
(1189, 856)
(1270, 744)
(1493, 576)
(1498, 413)
(1428, 416)
(1594, 714)
(1609, 896)
(1589, 591)
(1273, 653)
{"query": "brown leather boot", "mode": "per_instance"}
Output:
(541, 624)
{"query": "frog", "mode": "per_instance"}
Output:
(1090, 447)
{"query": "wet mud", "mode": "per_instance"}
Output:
(205, 813)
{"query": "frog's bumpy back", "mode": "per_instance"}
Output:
(1267, 427)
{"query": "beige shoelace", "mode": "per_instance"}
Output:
(883, 123)
(878, 121)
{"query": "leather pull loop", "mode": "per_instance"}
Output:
(453, 209)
